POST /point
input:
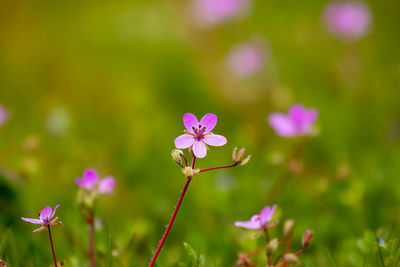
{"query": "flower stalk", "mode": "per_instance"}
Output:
(52, 246)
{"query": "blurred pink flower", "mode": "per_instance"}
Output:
(210, 12)
(4, 115)
(198, 134)
(91, 182)
(259, 221)
(45, 218)
(349, 21)
(297, 122)
(247, 59)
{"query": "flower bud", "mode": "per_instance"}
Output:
(238, 157)
(189, 172)
(272, 246)
(288, 228)
(307, 239)
(177, 156)
(291, 258)
(245, 161)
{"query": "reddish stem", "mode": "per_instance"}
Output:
(90, 221)
(171, 221)
(52, 247)
(219, 167)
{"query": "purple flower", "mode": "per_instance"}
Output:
(297, 123)
(198, 134)
(45, 218)
(91, 182)
(349, 21)
(4, 115)
(210, 12)
(259, 221)
(247, 59)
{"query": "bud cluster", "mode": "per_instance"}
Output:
(239, 157)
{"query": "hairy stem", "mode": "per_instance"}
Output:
(171, 221)
(219, 167)
(52, 247)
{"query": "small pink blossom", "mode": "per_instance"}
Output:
(247, 59)
(198, 134)
(210, 12)
(349, 21)
(4, 115)
(91, 182)
(259, 221)
(45, 218)
(298, 122)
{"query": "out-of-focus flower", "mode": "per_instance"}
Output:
(247, 59)
(259, 221)
(297, 122)
(349, 21)
(45, 218)
(58, 122)
(4, 115)
(211, 12)
(307, 239)
(198, 134)
(91, 182)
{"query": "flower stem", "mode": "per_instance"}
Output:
(219, 167)
(171, 221)
(90, 221)
(52, 247)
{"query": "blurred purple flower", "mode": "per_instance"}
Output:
(349, 21)
(198, 134)
(4, 115)
(91, 182)
(297, 123)
(259, 221)
(210, 12)
(45, 218)
(247, 59)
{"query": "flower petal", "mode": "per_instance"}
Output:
(190, 121)
(45, 213)
(184, 141)
(311, 115)
(106, 185)
(54, 211)
(199, 149)
(39, 229)
(214, 140)
(297, 113)
(91, 177)
(249, 224)
(282, 125)
(267, 213)
(36, 221)
(209, 121)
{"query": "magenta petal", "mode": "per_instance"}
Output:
(91, 177)
(209, 121)
(214, 140)
(311, 115)
(39, 229)
(106, 185)
(54, 211)
(252, 224)
(297, 113)
(282, 124)
(199, 149)
(45, 213)
(184, 141)
(267, 213)
(36, 221)
(190, 121)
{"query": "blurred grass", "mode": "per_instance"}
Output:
(119, 76)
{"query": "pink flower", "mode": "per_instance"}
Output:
(297, 123)
(348, 21)
(247, 59)
(4, 115)
(45, 218)
(210, 12)
(259, 221)
(91, 182)
(198, 134)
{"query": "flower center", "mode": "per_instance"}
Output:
(199, 132)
